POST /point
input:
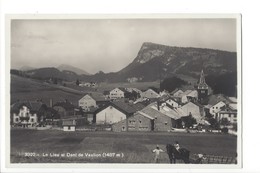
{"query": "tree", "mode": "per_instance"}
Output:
(213, 123)
(224, 122)
(77, 82)
(189, 121)
(170, 84)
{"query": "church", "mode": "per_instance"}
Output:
(202, 88)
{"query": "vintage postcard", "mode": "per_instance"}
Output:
(123, 91)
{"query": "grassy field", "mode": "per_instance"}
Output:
(30, 89)
(32, 146)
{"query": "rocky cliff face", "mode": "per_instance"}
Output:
(154, 60)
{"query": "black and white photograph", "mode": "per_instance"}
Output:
(129, 90)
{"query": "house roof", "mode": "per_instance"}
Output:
(195, 103)
(126, 108)
(34, 106)
(233, 99)
(66, 105)
(153, 111)
(138, 106)
(145, 115)
(214, 99)
(233, 106)
(98, 96)
(177, 89)
(120, 88)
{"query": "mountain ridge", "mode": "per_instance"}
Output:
(156, 61)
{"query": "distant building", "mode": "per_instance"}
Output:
(92, 100)
(150, 94)
(202, 88)
(117, 93)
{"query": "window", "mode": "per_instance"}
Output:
(140, 121)
(235, 116)
(68, 127)
(16, 119)
(216, 107)
(166, 123)
(32, 120)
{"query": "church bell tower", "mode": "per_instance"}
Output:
(202, 87)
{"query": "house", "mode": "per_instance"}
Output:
(229, 112)
(150, 94)
(140, 121)
(92, 100)
(117, 93)
(28, 114)
(162, 122)
(214, 109)
(113, 112)
(195, 110)
(64, 109)
(69, 125)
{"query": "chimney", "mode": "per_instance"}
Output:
(158, 105)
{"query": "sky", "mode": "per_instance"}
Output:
(109, 45)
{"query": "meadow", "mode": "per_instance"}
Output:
(32, 146)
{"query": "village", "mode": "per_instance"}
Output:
(130, 109)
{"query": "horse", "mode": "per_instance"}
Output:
(183, 154)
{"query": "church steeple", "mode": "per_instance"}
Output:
(202, 87)
(202, 82)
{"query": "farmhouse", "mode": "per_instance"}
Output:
(64, 109)
(117, 93)
(27, 114)
(113, 112)
(92, 100)
(150, 94)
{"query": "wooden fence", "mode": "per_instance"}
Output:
(213, 159)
